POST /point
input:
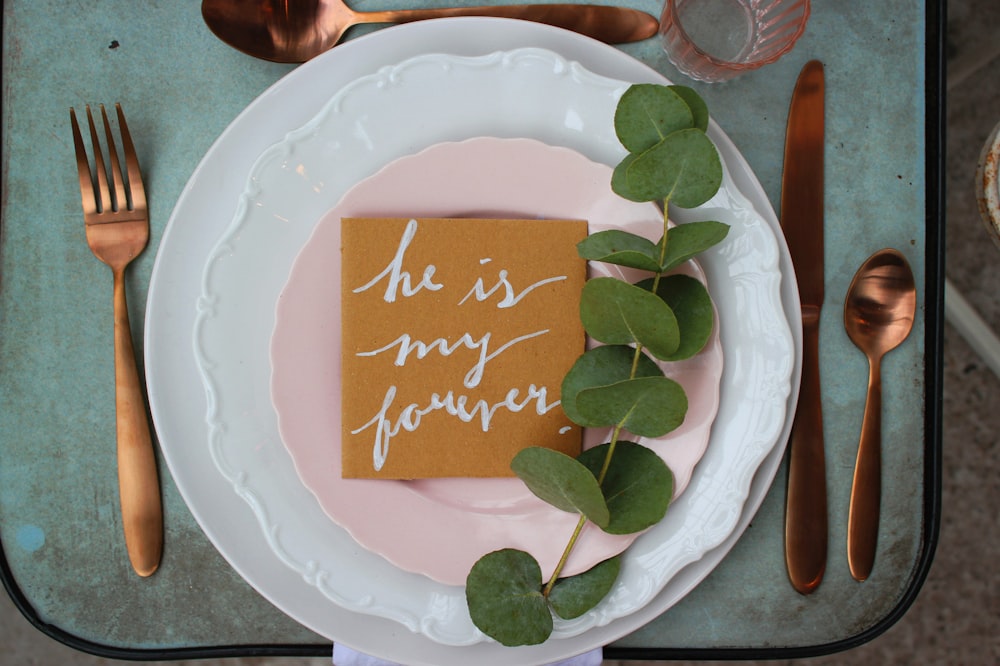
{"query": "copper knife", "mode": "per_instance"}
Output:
(802, 224)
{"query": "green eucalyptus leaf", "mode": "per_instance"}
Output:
(619, 179)
(684, 168)
(573, 596)
(621, 248)
(562, 482)
(617, 312)
(504, 593)
(646, 406)
(601, 366)
(699, 109)
(638, 485)
(691, 303)
(688, 240)
(647, 112)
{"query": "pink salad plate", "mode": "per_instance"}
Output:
(439, 527)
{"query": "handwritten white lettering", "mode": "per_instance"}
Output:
(510, 295)
(398, 278)
(407, 345)
(410, 415)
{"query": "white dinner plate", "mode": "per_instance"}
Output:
(202, 215)
(379, 118)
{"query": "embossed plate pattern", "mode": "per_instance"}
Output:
(422, 101)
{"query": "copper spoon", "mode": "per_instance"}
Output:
(878, 315)
(297, 30)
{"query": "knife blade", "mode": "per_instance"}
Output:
(802, 224)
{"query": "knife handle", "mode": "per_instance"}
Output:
(805, 508)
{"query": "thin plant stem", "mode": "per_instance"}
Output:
(663, 244)
(615, 433)
(565, 556)
(611, 451)
(583, 519)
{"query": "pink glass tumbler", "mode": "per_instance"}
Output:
(715, 40)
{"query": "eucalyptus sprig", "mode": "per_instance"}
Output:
(621, 486)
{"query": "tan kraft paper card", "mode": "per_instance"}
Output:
(457, 334)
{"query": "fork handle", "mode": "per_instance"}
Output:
(138, 481)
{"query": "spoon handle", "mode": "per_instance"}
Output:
(613, 25)
(866, 491)
(805, 505)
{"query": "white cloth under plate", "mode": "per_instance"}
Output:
(345, 656)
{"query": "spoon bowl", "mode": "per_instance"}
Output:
(878, 315)
(881, 301)
(298, 30)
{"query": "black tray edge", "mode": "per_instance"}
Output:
(935, 69)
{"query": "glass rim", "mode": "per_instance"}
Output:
(671, 6)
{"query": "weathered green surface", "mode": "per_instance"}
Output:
(59, 519)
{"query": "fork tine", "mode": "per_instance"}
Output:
(103, 198)
(83, 167)
(119, 202)
(136, 189)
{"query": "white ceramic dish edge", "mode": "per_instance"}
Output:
(421, 101)
(171, 367)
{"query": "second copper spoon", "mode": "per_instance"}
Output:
(297, 30)
(878, 316)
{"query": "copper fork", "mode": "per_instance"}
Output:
(117, 224)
